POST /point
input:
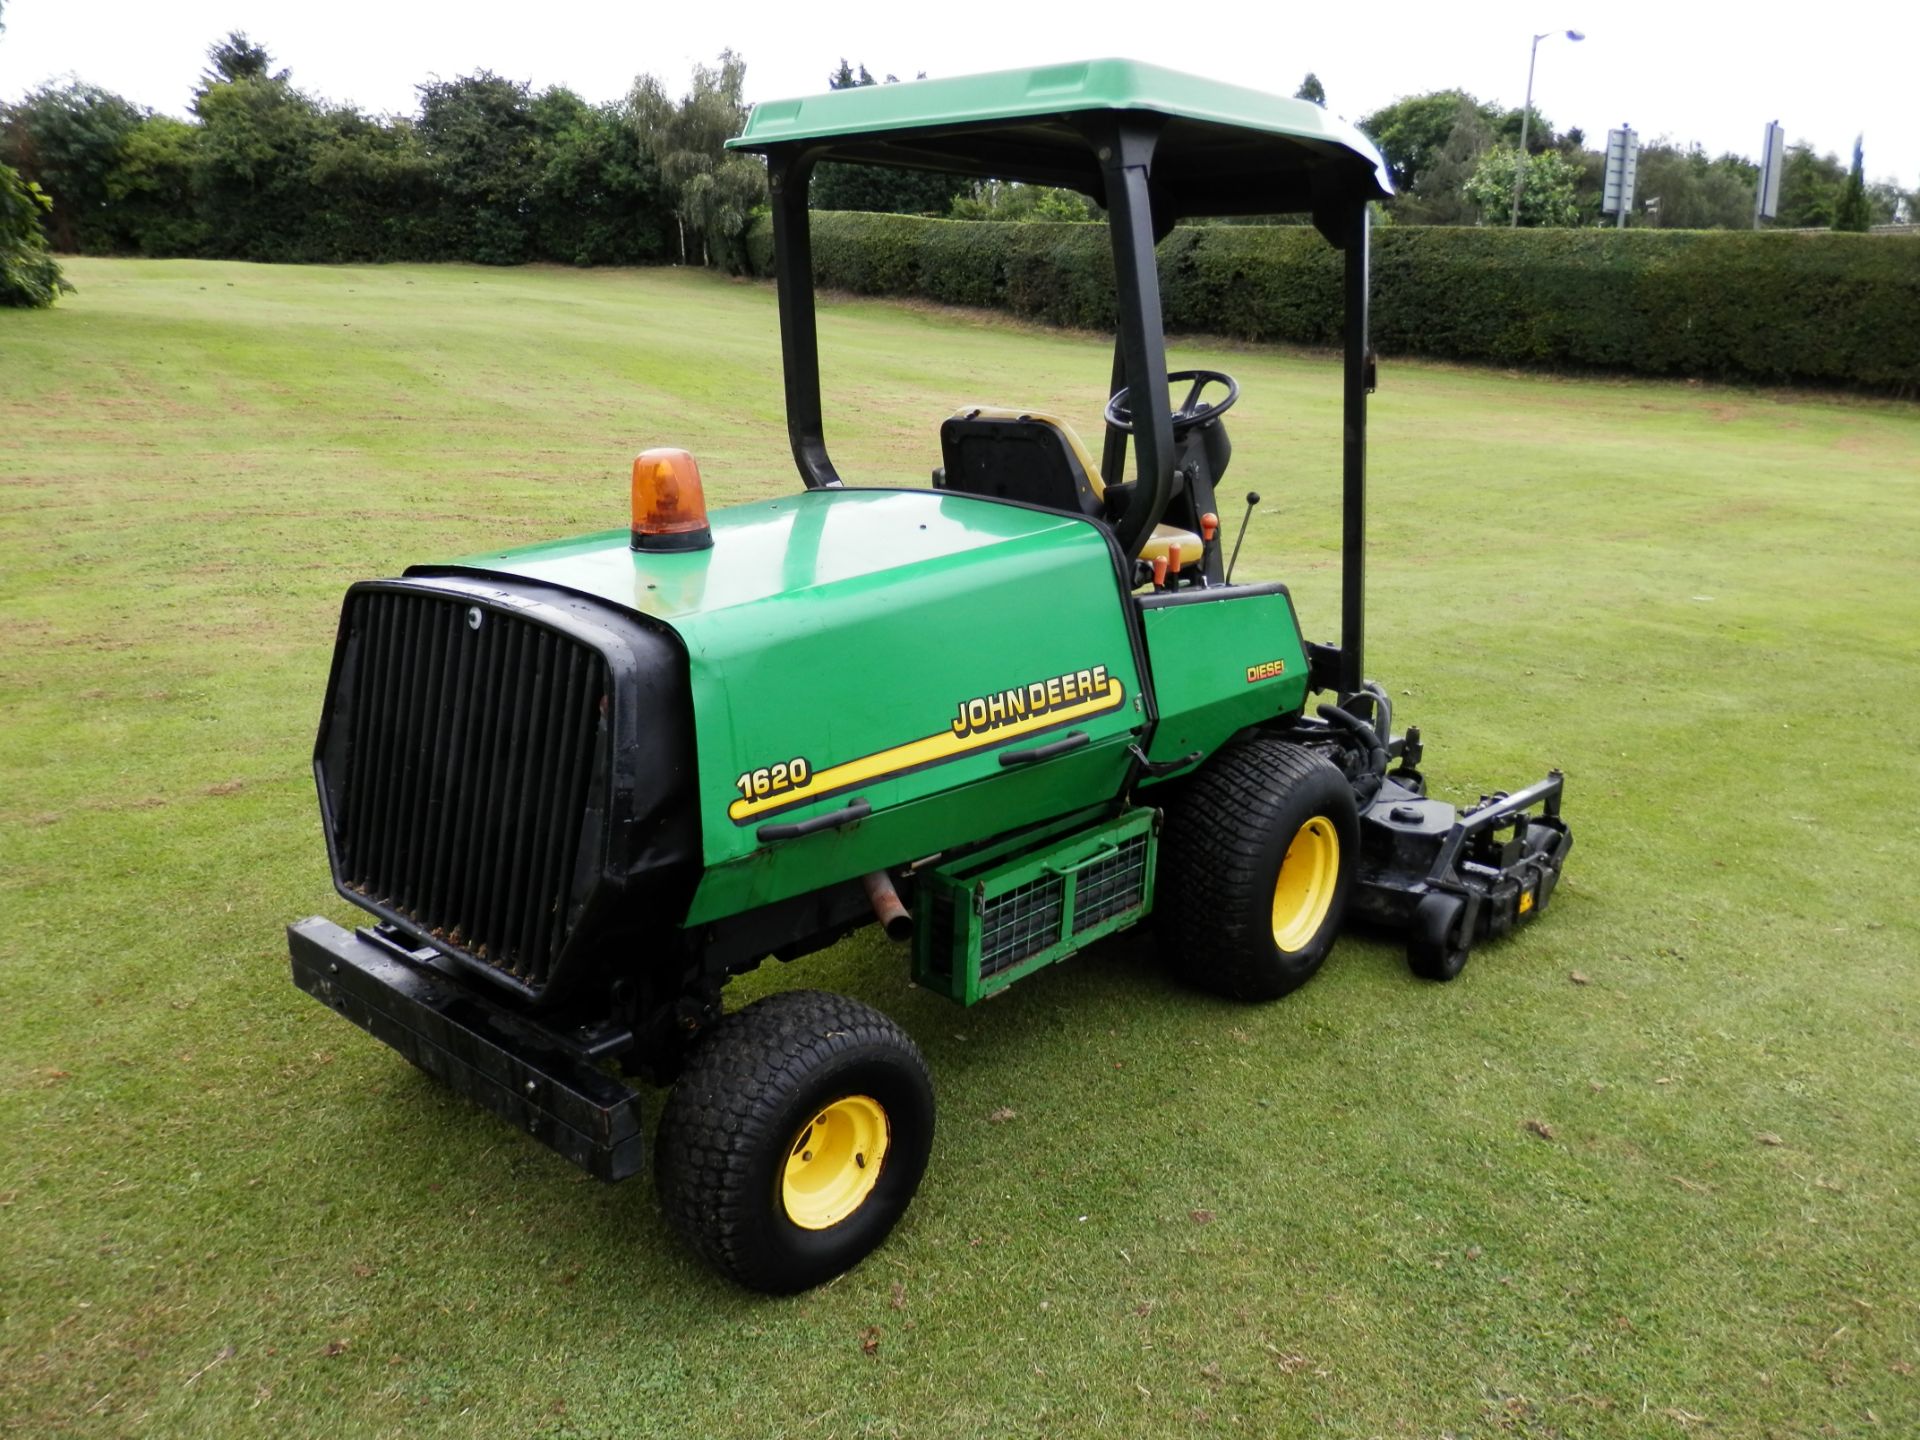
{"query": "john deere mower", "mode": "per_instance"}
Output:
(581, 785)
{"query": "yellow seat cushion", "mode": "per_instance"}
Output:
(1164, 537)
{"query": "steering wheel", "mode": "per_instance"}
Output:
(1191, 412)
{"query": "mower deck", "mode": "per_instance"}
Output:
(1451, 878)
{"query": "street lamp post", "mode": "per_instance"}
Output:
(1526, 114)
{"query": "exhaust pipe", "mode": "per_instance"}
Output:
(887, 909)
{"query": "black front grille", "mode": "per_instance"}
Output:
(465, 740)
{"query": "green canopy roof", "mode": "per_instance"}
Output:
(1224, 149)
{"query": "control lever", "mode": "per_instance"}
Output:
(1253, 499)
(1209, 528)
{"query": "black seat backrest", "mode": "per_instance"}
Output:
(1015, 458)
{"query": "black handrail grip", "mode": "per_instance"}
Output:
(856, 810)
(1155, 769)
(1072, 740)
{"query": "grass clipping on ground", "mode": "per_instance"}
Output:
(1648, 1168)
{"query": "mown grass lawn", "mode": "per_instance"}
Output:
(1651, 1168)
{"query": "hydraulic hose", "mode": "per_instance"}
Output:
(1382, 711)
(1367, 741)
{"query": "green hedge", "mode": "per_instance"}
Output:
(1773, 305)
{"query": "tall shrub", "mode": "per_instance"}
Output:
(1854, 212)
(28, 275)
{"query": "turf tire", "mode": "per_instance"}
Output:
(1226, 836)
(731, 1118)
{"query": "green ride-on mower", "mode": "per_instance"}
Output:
(581, 785)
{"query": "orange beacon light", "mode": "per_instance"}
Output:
(669, 507)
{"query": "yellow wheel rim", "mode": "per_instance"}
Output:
(834, 1162)
(1303, 891)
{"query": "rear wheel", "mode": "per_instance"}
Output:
(1259, 855)
(795, 1139)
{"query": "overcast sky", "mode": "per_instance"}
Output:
(1710, 73)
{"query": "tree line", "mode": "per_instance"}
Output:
(488, 170)
(1453, 159)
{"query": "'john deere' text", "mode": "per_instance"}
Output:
(1070, 691)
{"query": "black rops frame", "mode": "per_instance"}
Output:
(1140, 214)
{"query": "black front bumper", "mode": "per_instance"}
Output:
(528, 1076)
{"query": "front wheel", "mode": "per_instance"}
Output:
(795, 1139)
(1437, 942)
(1259, 855)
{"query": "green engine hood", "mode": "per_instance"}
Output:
(877, 645)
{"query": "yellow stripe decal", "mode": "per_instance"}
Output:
(929, 750)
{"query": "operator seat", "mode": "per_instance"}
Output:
(1036, 458)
